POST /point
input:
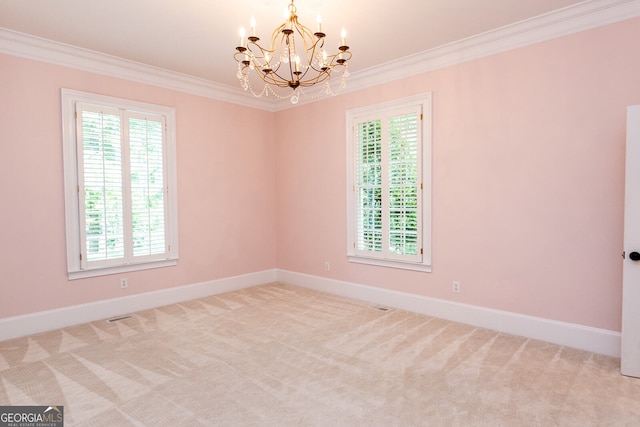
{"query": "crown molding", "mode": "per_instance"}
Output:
(30, 47)
(570, 20)
(583, 16)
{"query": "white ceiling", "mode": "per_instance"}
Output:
(198, 37)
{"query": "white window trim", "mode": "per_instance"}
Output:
(425, 100)
(71, 184)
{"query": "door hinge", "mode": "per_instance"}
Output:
(80, 257)
(421, 251)
(421, 186)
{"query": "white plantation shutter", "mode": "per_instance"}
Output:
(387, 219)
(101, 184)
(404, 179)
(119, 167)
(369, 186)
(147, 185)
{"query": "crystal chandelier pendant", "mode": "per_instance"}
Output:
(295, 59)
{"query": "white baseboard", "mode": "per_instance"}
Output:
(19, 326)
(595, 340)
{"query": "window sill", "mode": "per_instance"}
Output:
(105, 271)
(389, 263)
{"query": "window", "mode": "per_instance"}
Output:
(120, 184)
(389, 184)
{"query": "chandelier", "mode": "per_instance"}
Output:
(295, 59)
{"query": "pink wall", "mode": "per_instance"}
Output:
(226, 184)
(528, 183)
(528, 157)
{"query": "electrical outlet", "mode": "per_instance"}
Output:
(124, 283)
(327, 266)
(455, 287)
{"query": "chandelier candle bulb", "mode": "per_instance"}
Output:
(319, 19)
(253, 26)
(343, 35)
(242, 36)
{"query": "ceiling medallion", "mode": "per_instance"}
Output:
(295, 59)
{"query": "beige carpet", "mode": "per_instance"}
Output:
(277, 355)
